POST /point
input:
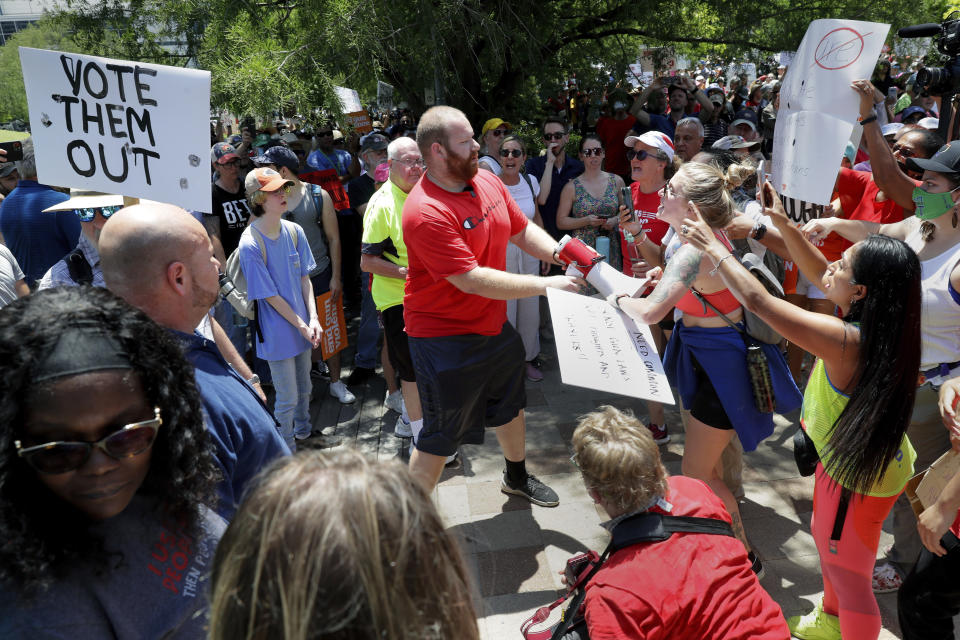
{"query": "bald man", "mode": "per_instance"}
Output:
(468, 360)
(159, 258)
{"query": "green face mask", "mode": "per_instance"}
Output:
(932, 205)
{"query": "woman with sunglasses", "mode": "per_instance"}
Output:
(106, 472)
(82, 265)
(276, 260)
(705, 357)
(491, 136)
(589, 204)
(857, 403)
(523, 314)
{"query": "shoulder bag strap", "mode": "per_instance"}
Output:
(703, 300)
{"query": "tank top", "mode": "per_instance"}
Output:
(822, 405)
(723, 300)
(940, 313)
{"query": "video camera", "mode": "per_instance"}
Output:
(944, 80)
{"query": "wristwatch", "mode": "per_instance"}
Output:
(255, 379)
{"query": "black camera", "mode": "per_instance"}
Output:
(577, 565)
(946, 79)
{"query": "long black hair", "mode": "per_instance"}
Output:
(41, 536)
(868, 433)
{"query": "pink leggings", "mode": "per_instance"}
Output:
(848, 573)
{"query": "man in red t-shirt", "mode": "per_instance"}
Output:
(468, 360)
(691, 586)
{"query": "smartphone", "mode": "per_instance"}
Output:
(14, 150)
(627, 196)
(892, 93)
(761, 175)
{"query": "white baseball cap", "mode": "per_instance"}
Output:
(654, 139)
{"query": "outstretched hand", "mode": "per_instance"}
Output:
(773, 205)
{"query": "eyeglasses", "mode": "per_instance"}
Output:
(414, 164)
(87, 214)
(573, 459)
(641, 155)
(906, 152)
(594, 151)
(285, 190)
(62, 456)
(553, 136)
(497, 133)
(506, 153)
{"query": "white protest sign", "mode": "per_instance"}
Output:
(818, 109)
(600, 347)
(349, 99)
(130, 128)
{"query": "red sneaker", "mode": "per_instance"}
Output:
(659, 433)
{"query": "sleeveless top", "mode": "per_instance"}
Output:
(822, 405)
(723, 300)
(940, 313)
(584, 204)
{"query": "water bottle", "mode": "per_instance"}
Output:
(603, 247)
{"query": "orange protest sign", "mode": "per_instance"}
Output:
(360, 120)
(330, 314)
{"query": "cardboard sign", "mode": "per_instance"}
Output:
(330, 181)
(600, 347)
(818, 109)
(349, 99)
(129, 128)
(330, 314)
(360, 121)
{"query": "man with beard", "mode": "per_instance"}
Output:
(159, 259)
(468, 360)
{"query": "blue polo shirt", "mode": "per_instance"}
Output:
(38, 240)
(561, 176)
(245, 434)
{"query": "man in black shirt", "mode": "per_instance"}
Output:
(230, 210)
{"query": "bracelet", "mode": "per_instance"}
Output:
(716, 268)
(759, 230)
(867, 121)
(255, 379)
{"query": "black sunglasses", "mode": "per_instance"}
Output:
(595, 151)
(62, 456)
(553, 136)
(87, 214)
(506, 153)
(643, 154)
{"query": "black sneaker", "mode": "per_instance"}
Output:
(359, 375)
(755, 565)
(531, 489)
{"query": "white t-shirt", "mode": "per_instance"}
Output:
(10, 274)
(491, 162)
(522, 195)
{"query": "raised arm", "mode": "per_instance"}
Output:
(825, 336)
(806, 256)
(894, 183)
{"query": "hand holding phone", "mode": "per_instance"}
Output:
(626, 196)
(14, 150)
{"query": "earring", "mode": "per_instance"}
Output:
(852, 301)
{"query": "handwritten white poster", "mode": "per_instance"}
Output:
(818, 109)
(600, 347)
(130, 128)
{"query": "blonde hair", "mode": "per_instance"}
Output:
(709, 188)
(619, 459)
(336, 546)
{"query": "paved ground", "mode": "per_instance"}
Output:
(516, 550)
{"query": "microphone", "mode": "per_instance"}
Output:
(920, 30)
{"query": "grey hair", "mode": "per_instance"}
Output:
(695, 122)
(397, 146)
(27, 166)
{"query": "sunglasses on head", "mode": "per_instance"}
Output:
(595, 151)
(553, 136)
(87, 214)
(62, 456)
(506, 153)
(643, 154)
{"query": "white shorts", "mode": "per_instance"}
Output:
(806, 288)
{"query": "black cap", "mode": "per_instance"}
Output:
(946, 160)
(279, 156)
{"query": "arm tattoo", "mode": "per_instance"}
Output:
(681, 270)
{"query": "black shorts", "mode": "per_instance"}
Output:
(466, 384)
(321, 282)
(668, 322)
(707, 407)
(398, 347)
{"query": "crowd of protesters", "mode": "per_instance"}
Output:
(158, 367)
